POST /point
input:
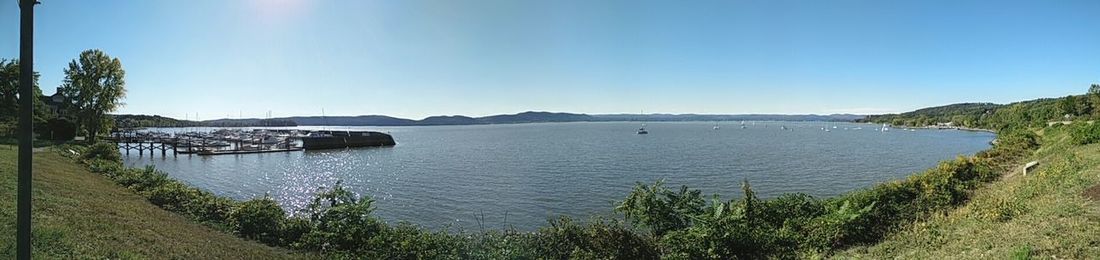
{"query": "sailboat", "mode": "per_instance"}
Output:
(884, 128)
(642, 130)
(716, 126)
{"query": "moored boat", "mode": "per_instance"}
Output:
(345, 139)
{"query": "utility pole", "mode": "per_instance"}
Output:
(26, 133)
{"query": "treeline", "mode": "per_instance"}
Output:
(1033, 113)
(251, 122)
(138, 121)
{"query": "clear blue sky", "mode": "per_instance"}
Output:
(419, 58)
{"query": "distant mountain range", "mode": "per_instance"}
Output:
(525, 117)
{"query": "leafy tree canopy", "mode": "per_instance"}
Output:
(95, 85)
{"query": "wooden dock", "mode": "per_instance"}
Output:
(185, 144)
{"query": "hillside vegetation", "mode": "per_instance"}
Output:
(1045, 214)
(1025, 114)
(81, 215)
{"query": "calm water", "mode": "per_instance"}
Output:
(518, 175)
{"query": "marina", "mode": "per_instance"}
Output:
(241, 141)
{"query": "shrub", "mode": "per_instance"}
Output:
(790, 207)
(205, 206)
(841, 226)
(407, 241)
(172, 195)
(103, 151)
(294, 228)
(1085, 133)
(142, 179)
(59, 129)
(340, 221)
(105, 167)
(659, 208)
(259, 219)
(600, 239)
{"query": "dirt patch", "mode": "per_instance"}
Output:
(1093, 193)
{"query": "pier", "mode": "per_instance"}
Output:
(220, 142)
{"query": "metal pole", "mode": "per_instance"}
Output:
(26, 113)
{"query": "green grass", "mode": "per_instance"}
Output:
(81, 215)
(1041, 215)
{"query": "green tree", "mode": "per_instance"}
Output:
(1068, 105)
(1092, 100)
(9, 96)
(1084, 106)
(94, 84)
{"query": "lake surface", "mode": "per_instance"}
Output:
(519, 175)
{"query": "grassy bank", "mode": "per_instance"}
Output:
(1044, 214)
(81, 215)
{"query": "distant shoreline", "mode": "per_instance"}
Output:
(525, 117)
(488, 124)
(960, 128)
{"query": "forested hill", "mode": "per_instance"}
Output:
(150, 121)
(129, 121)
(1036, 113)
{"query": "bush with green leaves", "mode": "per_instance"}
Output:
(260, 219)
(102, 151)
(340, 221)
(793, 225)
(1011, 146)
(1085, 132)
(660, 209)
(598, 239)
